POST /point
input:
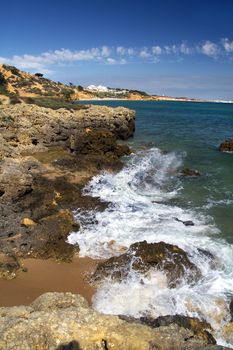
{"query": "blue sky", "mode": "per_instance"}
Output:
(178, 48)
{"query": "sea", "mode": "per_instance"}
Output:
(148, 195)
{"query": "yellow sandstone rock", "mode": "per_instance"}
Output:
(28, 222)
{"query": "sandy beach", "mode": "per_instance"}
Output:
(43, 276)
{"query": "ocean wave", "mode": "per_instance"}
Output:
(141, 198)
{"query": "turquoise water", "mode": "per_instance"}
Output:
(194, 130)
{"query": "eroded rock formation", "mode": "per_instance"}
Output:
(46, 158)
(143, 256)
(65, 321)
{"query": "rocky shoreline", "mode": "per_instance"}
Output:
(57, 321)
(47, 157)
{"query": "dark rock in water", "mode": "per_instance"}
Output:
(226, 146)
(142, 256)
(159, 202)
(186, 223)
(206, 253)
(190, 172)
(231, 309)
(9, 265)
(201, 329)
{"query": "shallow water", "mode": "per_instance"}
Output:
(146, 197)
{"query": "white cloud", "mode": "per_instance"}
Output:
(185, 49)
(144, 53)
(210, 49)
(105, 52)
(123, 51)
(120, 50)
(119, 54)
(227, 44)
(130, 51)
(156, 50)
(171, 49)
(111, 60)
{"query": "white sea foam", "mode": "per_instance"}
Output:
(141, 208)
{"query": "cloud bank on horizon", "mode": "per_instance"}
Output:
(120, 55)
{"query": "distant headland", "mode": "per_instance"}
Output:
(35, 88)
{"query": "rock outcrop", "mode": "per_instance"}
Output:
(226, 146)
(200, 328)
(143, 256)
(46, 157)
(31, 128)
(65, 321)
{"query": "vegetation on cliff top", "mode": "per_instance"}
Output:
(19, 85)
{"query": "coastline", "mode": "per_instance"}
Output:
(68, 175)
(155, 100)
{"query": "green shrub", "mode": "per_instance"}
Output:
(53, 103)
(3, 81)
(14, 99)
(67, 93)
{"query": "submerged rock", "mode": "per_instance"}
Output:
(65, 321)
(226, 146)
(231, 309)
(186, 223)
(143, 256)
(190, 172)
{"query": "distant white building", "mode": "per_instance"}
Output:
(99, 88)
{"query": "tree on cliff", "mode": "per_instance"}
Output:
(39, 75)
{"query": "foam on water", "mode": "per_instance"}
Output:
(140, 208)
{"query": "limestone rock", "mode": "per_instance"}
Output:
(40, 186)
(9, 265)
(227, 332)
(30, 127)
(64, 321)
(15, 180)
(101, 142)
(142, 256)
(48, 238)
(200, 328)
(28, 222)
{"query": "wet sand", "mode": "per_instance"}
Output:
(47, 276)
